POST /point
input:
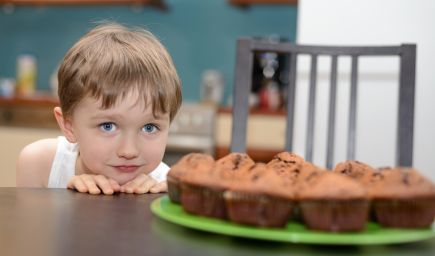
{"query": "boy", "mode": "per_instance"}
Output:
(118, 92)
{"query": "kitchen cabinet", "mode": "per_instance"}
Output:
(265, 133)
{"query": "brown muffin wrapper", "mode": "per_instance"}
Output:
(335, 215)
(174, 189)
(296, 214)
(202, 200)
(405, 213)
(257, 209)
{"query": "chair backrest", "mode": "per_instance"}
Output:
(243, 81)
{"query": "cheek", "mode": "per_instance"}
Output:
(93, 154)
(154, 150)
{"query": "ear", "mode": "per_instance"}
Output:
(65, 125)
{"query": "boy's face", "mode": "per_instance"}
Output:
(120, 142)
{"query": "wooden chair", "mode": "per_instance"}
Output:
(243, 80)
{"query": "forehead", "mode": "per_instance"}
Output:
(128, 104)
(130, 107)
(97, 102)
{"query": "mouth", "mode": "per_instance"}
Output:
(126, 168)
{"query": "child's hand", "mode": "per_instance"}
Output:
(94, 184)
(143, 184)
(159, 187)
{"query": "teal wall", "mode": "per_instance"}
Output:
(199, 34)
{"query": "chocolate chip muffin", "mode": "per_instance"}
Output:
(261, 197)
(356, 170)
(333, 202)
(402, 197)
(202, 193)
(190, 163)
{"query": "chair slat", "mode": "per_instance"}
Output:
(352, 109)
(405, 122)
(242, 89)
(311, 109)
(331, 119)
(291, 92)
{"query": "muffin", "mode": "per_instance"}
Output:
(332, 202)
(356, 170)
(285, 160)
(403, 198)
(193, 162)
(232, 163)
(304, 175)
(202, 192)
(261, 198)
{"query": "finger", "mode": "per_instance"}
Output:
(145, 187)
(77, 184)
(136, 182)
(159, 187)
(104, 184)
(115, 185)
(90, 184)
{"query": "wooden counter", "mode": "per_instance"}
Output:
(63, 222)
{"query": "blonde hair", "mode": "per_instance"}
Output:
(112, 60)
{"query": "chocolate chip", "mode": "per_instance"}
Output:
(405, 177)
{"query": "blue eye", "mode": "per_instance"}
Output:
(149, 128)
(108, 127)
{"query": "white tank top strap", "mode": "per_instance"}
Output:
(63, 167)
(159, 174)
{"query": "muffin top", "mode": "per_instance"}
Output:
(400, 182)
(356, 170)
(286, 164)
(223, 172)
(191, 163)
(285, 159)
(332, 186)
(260, 179)
(307, 174)
(227, 166)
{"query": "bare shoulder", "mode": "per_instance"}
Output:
(34, 163)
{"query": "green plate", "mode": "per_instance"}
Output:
(294, 232)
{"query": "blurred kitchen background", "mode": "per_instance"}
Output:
(201, 37)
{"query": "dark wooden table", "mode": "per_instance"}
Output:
(64, 222)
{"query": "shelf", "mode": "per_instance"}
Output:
(46, 100)
(34, 112)
(256, 111)
(262, 2)
(155, 3)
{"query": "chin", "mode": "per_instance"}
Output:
(123, 179)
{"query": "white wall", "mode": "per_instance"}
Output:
(378, 22)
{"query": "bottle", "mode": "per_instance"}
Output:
(212, 87)
(7, 87)
(270, 97)
(26, 75)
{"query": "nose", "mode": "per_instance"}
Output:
(128, 147)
